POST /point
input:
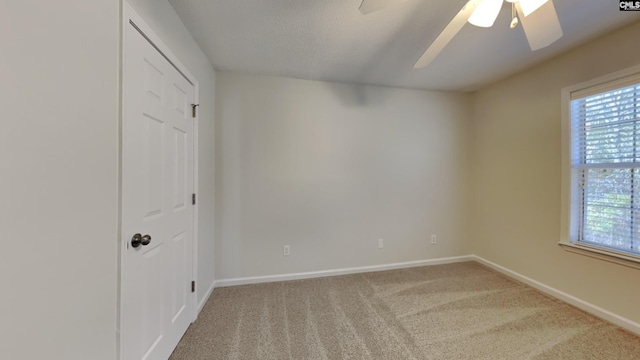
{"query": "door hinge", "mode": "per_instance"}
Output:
(193, 199)
(193, 286)
(193, 109)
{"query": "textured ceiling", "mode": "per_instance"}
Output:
(331, 40)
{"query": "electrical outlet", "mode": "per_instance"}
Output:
(380, 243)
(286, 250)
(434, 239)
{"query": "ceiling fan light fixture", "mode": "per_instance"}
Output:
(486, 13)
(529, 6)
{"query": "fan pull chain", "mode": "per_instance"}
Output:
(514, 16)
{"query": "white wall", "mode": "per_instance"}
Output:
(164, 21)
(326, 168)
(517, 177)
(58, 186)
(329, 168)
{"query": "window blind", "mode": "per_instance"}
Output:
(606, 164)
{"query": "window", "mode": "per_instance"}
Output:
(605, 165)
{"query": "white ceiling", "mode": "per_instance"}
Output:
(331, 40)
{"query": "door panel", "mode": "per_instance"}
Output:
(152, 312)
(180, 190)
(157, 182)
(154, 162)
(179, 300)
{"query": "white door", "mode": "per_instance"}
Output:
(157, 185)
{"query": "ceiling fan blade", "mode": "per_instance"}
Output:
(369, 6)
(541, 27)
(447, 34)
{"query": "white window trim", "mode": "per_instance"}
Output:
(602, 254)
(566, 226)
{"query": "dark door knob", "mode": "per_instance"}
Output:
(136, 240)
(146, 240)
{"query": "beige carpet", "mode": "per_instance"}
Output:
(454, 311)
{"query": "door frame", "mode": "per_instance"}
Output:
(130, 16)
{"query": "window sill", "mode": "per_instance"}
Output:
(602, 254)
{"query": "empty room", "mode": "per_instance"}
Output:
(320, 179)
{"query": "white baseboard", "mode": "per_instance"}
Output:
(572, 300)
(324, 273)
(597, 311)
(205, 299)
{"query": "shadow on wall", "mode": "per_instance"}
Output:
(356, 95)
(395, 52)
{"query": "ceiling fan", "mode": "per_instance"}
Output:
(538, 18)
